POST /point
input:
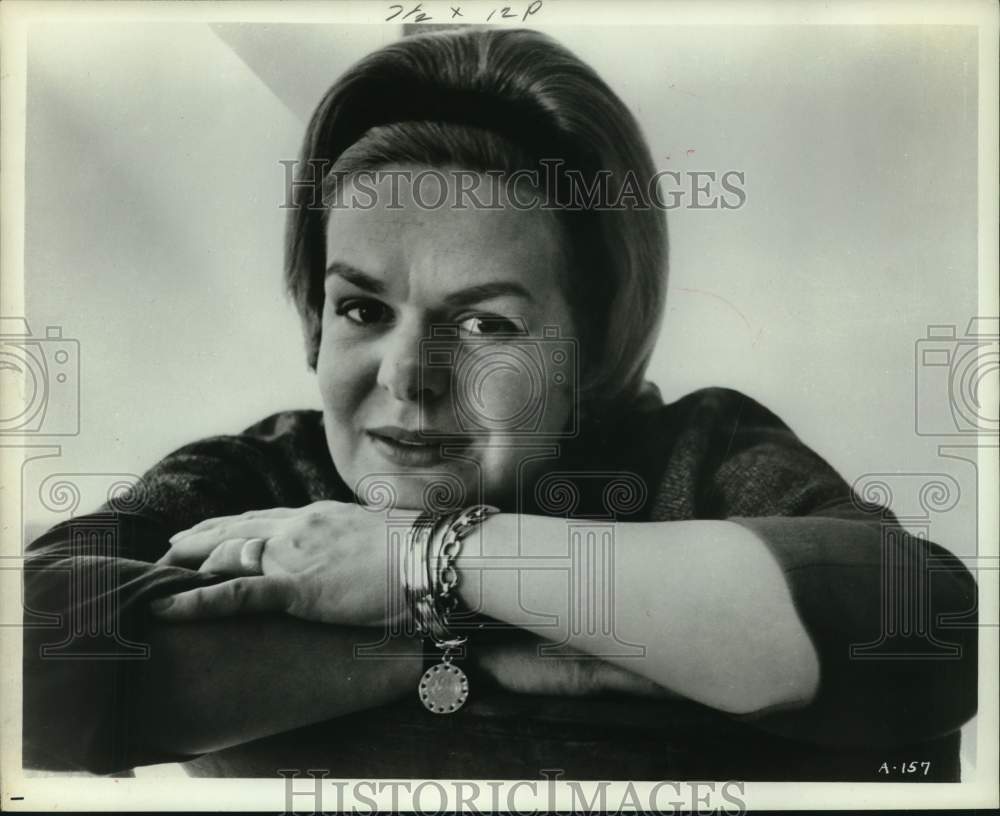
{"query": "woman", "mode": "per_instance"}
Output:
(486, 350)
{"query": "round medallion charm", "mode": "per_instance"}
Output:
(444, 688)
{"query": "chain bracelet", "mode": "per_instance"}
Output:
(430, 581)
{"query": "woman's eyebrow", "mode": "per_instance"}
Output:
(354, 275)
(486, 291)
(461, 297)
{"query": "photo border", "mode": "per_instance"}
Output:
(21, 792)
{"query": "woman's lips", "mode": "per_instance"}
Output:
(403, 447)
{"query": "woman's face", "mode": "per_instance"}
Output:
(447, 350)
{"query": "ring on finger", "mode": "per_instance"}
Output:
(251, 556)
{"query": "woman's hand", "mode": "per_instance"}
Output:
(326, 562)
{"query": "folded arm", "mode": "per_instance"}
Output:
(761, 618)
(111, 687)
(704, 602)
(217, 683)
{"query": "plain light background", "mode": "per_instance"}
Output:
(154, 228)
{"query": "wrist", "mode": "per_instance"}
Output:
(488, 555)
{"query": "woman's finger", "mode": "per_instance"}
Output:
(192, 550)
(206, 524)
(252, 556)
(271, 593)
(211, 523)
(235, 556)
(177, 557)
(188, 552)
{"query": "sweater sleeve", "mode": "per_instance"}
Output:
(87, 585)
(875, 600)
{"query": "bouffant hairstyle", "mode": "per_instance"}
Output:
(501, 100)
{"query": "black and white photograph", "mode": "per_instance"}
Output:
(466, 406)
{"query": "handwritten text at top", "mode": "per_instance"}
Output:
(419, 14)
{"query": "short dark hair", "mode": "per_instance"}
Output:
(496, 99)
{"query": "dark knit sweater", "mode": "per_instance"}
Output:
(714, 454)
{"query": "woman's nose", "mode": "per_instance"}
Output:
(402, 371)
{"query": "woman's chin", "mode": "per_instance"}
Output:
(434, 489)
(435, 483)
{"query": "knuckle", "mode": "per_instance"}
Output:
(296, 599)
(227, 597)
(277, 542)
(193, 602)
(237, 591)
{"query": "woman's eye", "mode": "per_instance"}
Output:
(364, 312)
(489, 325)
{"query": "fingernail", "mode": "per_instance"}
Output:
(162, 603)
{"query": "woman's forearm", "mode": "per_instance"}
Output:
(705, 602)
(216, 683)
